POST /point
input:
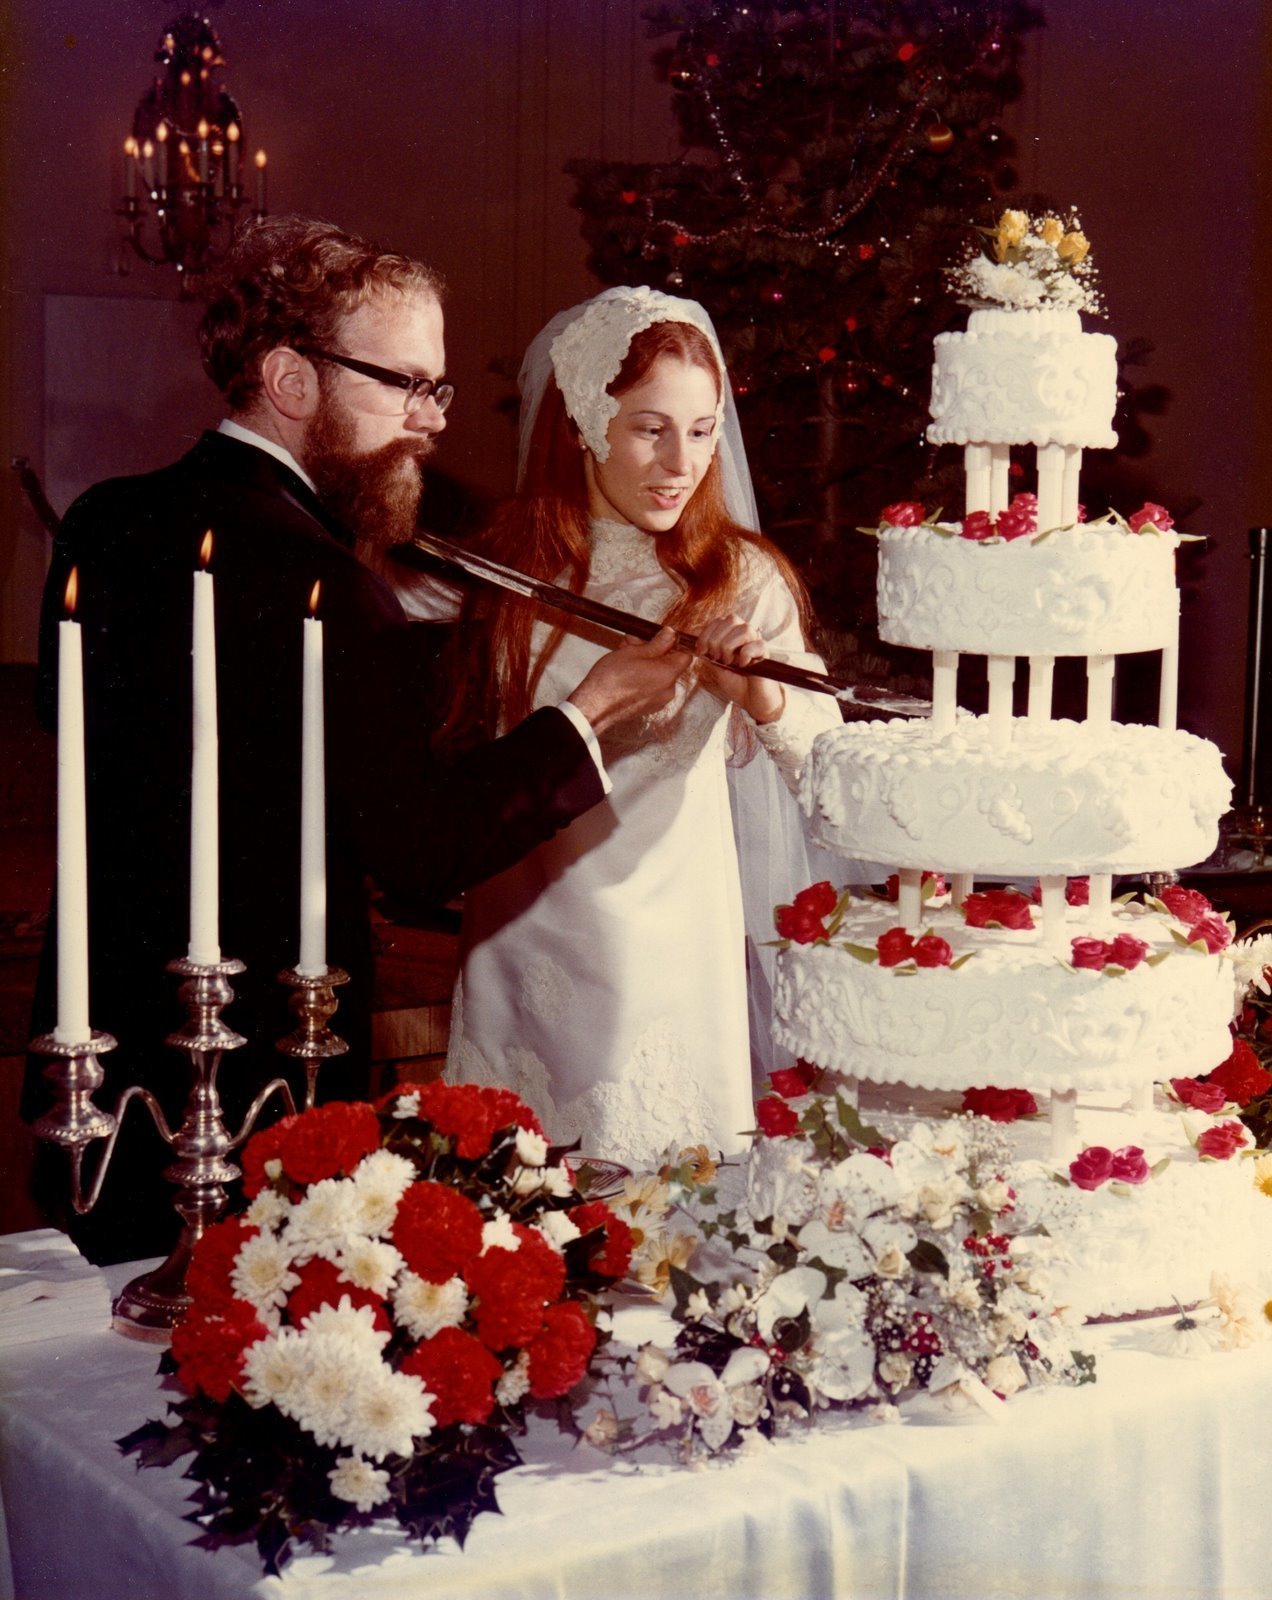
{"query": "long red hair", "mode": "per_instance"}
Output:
(544, 532)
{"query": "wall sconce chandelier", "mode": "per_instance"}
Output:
(184, 163)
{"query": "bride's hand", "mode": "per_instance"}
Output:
(733, 642)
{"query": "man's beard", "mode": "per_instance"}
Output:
(375, 494)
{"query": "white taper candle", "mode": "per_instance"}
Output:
(72, 840)
(205, 943)
(313, 807)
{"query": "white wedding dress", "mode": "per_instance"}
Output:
(604, 977)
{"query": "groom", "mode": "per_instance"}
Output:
(329, 353)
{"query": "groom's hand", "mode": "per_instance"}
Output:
(631, 681)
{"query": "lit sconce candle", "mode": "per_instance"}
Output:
(203, 131)
(72, 1025)
(131, 153)
(260, 182)
(313, 809)
(232, 155)
(218, 165)
(205, 943)
(165, 153)
(148, 165)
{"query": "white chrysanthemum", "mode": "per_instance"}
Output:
(346, 1325)
(558, 1182)
(357, 1481)
(379, 1183)
(268, 1209)
(532, 1148)
(320, 1401)
(497, 1234)
(557, 1229)
(407, 1105)
(515, 1383)
(1253, 962)
(370, 1264)
(424, 1308)
(321, 1223)
(262, 1274)
(388, 1411)
(273, 1368)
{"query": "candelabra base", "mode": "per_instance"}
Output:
(148, 1307)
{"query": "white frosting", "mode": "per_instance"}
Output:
(1133, 1249)
(1015, 1014)
(1061, 798)
(1024, 377)
(1079, 591)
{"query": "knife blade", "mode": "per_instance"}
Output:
(426, 551)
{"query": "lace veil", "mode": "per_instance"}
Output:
(583, 348)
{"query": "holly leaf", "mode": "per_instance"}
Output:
(928, 1257)
(850, 1121)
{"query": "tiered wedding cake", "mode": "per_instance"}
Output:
(1075, 998)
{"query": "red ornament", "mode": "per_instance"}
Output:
(713, 60)
(772, 294)
(827, 353)
(888, 381)
(907, 52)
(680, 238)
(940, 136)
(865, 252)
(629, 197)
(850, 324)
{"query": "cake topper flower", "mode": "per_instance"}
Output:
(1030, 263)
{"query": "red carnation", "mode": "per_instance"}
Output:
(1222, 1141)
(1128, 951)
(1090, 1169)
(903, 514)
(612, 1257)
(212, 1262)
(1130, 1165)
(209, 1349)
(1241, 1077)
(775, 1118)
(459, 1372)
(894, 947)
(472, 1115)
(511, 1288)
(977, 525)
(1189, 905)
(1150, 515)
(1092, 954)
(791, 1082)
(999, 1105)
(799, 926)
(819, 899)
(559, 1354)
(1202, 1096)
(328, 1141)
(1213, 932)
(437, 1229)
(932, 951)
(260, 1148)
(322, 1285)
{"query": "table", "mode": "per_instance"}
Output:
(1151, 1483)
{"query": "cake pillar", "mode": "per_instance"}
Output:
(1099, 691)
(1053, 903)
(999, 474)
(961, 885)
(976, 469)
(1042, 672)
(1100, 897)
(1168, 691)
(1064, 1123)
(910, 897)
(1051, 464)
(944, 692)
(1002, 677)
(1069, 488)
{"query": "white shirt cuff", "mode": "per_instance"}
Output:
(585, 731)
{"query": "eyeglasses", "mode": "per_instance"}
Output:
(418, 390)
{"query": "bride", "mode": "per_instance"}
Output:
(604, 977)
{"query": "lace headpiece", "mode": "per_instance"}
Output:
(583, 349)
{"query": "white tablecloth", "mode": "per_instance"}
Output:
(1153, 1483)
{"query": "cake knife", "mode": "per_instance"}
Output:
(427, 551)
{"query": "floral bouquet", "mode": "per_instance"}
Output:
(849, 1271)
(1030, 262)
(362, 1340)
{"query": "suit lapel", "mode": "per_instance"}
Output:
(258, 469)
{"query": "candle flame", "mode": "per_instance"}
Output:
(232, 133)
(313, 598)
(260, 158)
(72, 593)
(161, 133)
(205, 550)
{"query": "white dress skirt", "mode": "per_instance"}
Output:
(604, 977)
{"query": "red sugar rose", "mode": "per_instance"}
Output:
(1189, 905)
(903, 514)
(1202, 1096)
(1092, 954)
(977, 525)
(1128, 951)
(1077, 892)
(1002, 906)
(894, 947)
(559, 1354)
(1150, 514)
(1222, 1141)
(799, 926)
(459, 1372)
(1213, 932)
(932, 951)
(1130, 1165)
(1092, 1167)
(819, 899)
(892, 887)
(1240, 1077)
(775, 1118)
(209, 1349)
(612, 1257)
(791, 1082)
(437, 1229)
(1020, 517)
(999, 1105)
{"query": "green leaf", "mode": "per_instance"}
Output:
(1159, 1167)
(928, 1257)
(961, 961)
(1156, 959)
(860, 1132)
(862, 952)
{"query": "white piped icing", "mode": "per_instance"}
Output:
(1080, 591)
(1016, 1014)
(1024, 377)
(1060, 799)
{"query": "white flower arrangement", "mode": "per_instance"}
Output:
(1030, 262)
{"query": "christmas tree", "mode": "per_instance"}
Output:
(836, 158)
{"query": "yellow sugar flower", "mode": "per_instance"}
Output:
(1012, 228)
(1073, 247)
(1052, 230)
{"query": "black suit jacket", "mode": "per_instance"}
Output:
(421, 830)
